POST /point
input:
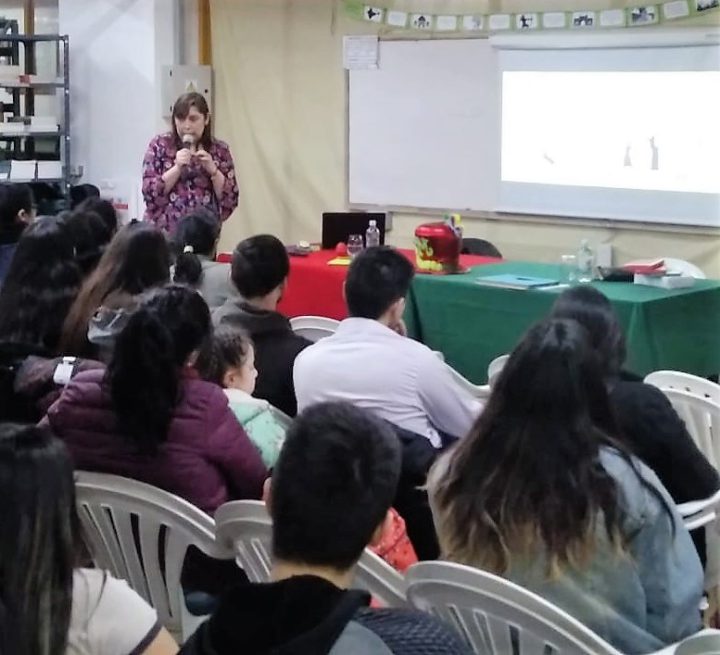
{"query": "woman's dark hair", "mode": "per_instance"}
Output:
(40, 286)
(145, 370)
(137, 259)
(528, 476)
(181, 109)
(228, 347)
(196, 234)
(103, 208)
(90, 237)
(81, 192)
(39, 539)
(593, 311)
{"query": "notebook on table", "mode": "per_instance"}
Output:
(510, 281)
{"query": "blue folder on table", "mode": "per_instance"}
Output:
(510, 281)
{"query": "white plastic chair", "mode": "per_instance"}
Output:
(127, 524)
(685, 382)
(314, 328)
(699, 513)
(246, 527)
(481, 391)
(702, 420)
(683, 267)
(492, 613)
(495, 366)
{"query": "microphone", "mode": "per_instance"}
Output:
(189, 141)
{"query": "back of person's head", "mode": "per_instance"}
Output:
(81, 192)
(41, 284)
(593, 311)
(90, 237)
(527, 477)
(137, 259)
(260, 265)
(103, 208)
(332, 486)
(17, 205)
(38, 540)
(378, 279)
(224, 355)
(144, 374)
(197, 233)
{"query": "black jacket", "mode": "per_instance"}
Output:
(276, 347)
(657, 435)
(306, 615)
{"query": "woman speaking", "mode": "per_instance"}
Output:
(188, 168)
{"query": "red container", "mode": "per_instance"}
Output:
(437, 248)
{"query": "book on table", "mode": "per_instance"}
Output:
(510, 281)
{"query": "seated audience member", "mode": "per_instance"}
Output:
(39, 288)
(542, 492)
(104, 209)
(329, 498)
(137, 259)
(370, 362)
(90, 237)
(647, 422)
(228, 360)
(17, 210)
(151, 418)
(260, 267)
(53, 607)
(196, 238)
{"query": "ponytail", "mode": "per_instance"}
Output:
(145, 370)
(188, 268)
(144, 380)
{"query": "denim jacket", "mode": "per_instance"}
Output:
(642, 599)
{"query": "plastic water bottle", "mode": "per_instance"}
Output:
(372, 235)
(585, 263)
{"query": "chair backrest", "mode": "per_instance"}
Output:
(473, 246)
(683, 267)
(140, 534)
(481, 391)
(314, 328)
(496, 616)
(702, 420)
(685, 382)
(495, 366)
(246, 527)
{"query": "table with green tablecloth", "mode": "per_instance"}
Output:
(471, 323)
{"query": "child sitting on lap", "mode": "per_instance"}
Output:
(229, 360)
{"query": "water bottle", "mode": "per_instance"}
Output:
(372, 235)
(585, 263)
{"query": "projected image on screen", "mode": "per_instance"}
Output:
(623, 130)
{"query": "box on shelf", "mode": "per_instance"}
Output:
(49, 170)
(22, 170)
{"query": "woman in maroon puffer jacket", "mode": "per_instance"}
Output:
(149, 416)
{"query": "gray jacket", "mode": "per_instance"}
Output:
(640, 600)
(215, 284)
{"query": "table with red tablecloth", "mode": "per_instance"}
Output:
(315, 288)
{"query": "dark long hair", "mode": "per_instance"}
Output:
(40, 286)
(14, 198)
(146, 366)
(182, 107)
(90, 237)
(528, 475)
(137, 259)
(197, 232)
(593, 311)
(39, 538)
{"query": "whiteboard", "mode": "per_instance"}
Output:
(423, 129)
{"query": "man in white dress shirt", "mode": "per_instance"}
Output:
(370, 363)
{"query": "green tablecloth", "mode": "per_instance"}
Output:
(471, 324)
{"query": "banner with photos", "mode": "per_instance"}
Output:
(634, 16)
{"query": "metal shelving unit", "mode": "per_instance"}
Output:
(22, 145)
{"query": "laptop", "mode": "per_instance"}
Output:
(337, 226)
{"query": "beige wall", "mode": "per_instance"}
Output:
(280, 97)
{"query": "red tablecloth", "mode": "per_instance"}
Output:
(315, 289)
